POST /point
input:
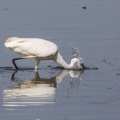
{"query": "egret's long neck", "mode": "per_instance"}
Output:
(61, 61)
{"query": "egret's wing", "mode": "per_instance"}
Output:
(33, 46)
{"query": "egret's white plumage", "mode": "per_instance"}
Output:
(40, 50)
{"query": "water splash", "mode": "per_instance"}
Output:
(76, 52)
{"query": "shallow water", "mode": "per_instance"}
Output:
(56, 94)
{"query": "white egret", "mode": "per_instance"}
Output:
(39, 49)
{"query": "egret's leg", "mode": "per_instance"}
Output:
(13, 61)
(25, 57)
(37, 63)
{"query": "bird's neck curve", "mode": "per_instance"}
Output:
(61, 61)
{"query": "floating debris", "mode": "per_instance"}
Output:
(84, 7)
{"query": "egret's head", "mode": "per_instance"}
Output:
(76, 63)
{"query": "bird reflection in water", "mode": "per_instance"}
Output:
(38, 91)
(76, 77)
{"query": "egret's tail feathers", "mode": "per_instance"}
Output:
(10, 39)
(9, 42)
